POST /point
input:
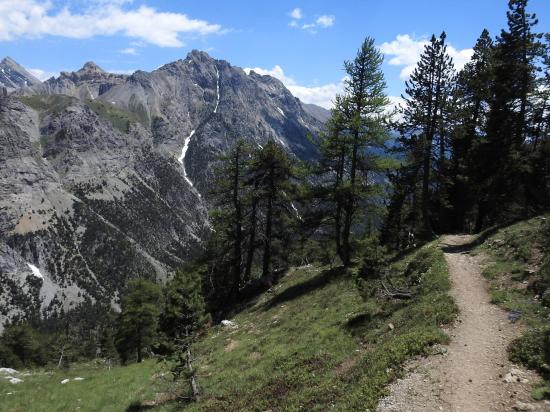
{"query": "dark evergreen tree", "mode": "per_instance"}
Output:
(183, 316)
(517, 54)
(424, 132)
(273, 174)
(472, 97)
(228, 220)
(138, 321)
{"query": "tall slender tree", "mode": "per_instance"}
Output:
(272, 173)
(516, 53)
(138, 320)
(423, 128)
(228, 217)
(349, 159)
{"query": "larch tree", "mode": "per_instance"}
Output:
(351, 147)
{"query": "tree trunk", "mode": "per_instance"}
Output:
(427, 226)
(237, 252)
(268, 226)
(194, 384)
(138, 346)
(338, 198)
(251, 236)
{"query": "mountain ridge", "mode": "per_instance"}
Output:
(93, 192)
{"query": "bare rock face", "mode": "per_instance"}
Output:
(104, 177)
(14, 76)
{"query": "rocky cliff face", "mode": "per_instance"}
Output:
(104, 177)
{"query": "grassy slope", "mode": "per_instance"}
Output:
(309, 344)
(101, 390)
(515, 253)
(118, 117)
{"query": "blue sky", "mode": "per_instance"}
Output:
(302, 42)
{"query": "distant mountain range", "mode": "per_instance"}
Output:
(105, 177)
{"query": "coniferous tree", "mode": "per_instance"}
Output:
(424, 131)
(349, 162)
(517, 52)
(472, 96)
(272, 172)
(183, 316)
(231, 218)
(138, 321)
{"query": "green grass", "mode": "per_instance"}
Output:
(311, 343)
(48, 104)
(101, 389)
(119, 118)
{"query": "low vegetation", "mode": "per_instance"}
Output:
(101, 388)
(118, 117)
(520, 283)
(310, 341)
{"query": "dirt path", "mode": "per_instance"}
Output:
(469, 374)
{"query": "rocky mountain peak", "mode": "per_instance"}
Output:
(15, 76)
(199, 56)
(91, 67)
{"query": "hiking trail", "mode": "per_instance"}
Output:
(470, 373)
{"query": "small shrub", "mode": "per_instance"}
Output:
(533, 350)
(419, 265)
(373, 267)
(541, 284)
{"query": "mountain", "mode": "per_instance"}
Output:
(14, 76)
(320, 113)
(105, 177)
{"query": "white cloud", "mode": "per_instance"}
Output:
(35, 19)
(406, 50)
(130, 50)
(325, 21)
(296, 14)
(42, 75)
(320, 95)
(322, 22)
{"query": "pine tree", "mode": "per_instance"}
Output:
(272, 173)
(228, 218)
(183, 316)
(517, 53)
(349, 160)
(424, 127)
(472, 96)
(138, 321)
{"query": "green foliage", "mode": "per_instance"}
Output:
(533, 350)
(309, 343)
(373, 267)
(183, 309)
(21, 346)
(138, 321)
(103, 388)
(352, 160)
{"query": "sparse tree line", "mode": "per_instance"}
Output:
(472, 150)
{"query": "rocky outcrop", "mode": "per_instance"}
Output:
(104, 177)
